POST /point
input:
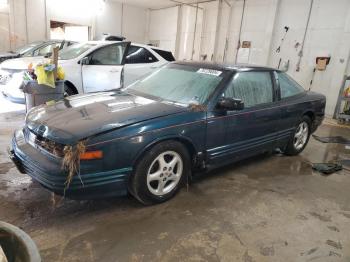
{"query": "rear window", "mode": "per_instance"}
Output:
(288, 86)
(168, 56)
(139, 55)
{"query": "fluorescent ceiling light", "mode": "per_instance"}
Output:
(3, 3)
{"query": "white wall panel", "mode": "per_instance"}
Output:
(209, 29)
(4, 32)
(134, 23)
(163, 27)
(328, 35)
(29, 19)
(222, 32)
(36, 24)
(190, 33)
(109, 21)
(17, 26)
(257, 27)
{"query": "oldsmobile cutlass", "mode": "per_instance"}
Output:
(149, 137)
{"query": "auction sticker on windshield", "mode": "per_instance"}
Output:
(209, 71)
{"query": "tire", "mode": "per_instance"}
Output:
(68, 91)
(300, 137)
(155, 179)
(341, 121)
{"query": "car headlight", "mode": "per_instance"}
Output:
(5, 77)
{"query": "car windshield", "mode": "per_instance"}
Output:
(74, 51)
(28, 48)
(181, 84)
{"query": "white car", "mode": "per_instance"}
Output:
(90, 67)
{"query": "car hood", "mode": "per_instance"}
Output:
(8, 54)
(83, 116)
(21, 63)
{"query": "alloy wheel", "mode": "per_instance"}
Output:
(164, 173)
(301, 135)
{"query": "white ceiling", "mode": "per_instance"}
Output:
(154, 4)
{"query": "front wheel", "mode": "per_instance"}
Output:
(300, 138)
(160, 173)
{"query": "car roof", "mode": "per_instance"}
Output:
(54, 41)
(228, 67)
(103, 42)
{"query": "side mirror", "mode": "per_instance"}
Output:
(48, 55)
(84, 61)
(230, 104)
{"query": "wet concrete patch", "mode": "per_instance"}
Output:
(334, 254)
(333, 228)
(324, 218)
(311, 251)
(267, 251)
(334, 244)
(5, 167)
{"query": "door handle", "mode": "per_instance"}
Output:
(114, 71)
(153, 67)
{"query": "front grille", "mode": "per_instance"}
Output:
(49, 146)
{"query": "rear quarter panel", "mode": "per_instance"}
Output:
(294, 108)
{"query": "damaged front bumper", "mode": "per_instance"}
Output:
(47, 170)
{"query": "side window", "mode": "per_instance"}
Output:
(167, 55)
(139, 55)
(288, 86)
(46, 49)
(108, 55)
(253, 88)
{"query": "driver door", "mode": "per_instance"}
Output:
(234, 135)
(102, 70)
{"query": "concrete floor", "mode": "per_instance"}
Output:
(7, 106)
(270, 208)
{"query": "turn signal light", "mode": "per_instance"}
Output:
(89, 155)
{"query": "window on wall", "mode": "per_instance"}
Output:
(288, 86)
(67, 31)
(253, 88)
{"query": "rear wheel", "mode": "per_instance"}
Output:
(160, 173)
(300, 138)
